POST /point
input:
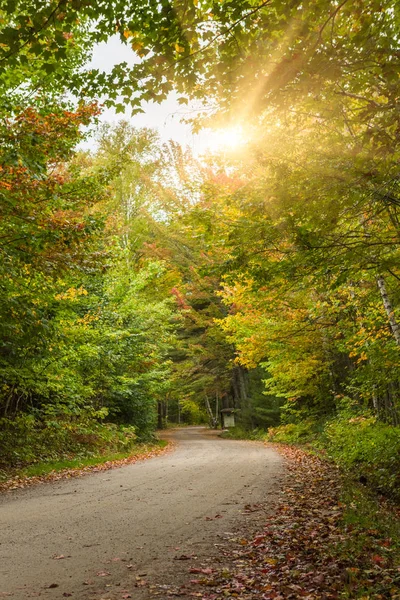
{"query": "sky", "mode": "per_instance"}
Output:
(165, 117)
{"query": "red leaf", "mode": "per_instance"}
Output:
(198, 570)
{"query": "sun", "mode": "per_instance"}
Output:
(225, 139)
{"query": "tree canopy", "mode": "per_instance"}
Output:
(141, 284)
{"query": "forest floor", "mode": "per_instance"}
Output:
(214, 519)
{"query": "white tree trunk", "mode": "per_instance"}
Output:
(209, 411)
(388, 308)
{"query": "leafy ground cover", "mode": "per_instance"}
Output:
(78, 466)
(240, 433)
(326, 539)
(27, 441)
(361, 445)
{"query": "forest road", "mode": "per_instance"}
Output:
(125, 532)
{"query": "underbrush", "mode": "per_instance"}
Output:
(366, 516)
(368, 449)
(361, 446)
(78, 463)
(304, 432)
(28, 440)
(240, 433)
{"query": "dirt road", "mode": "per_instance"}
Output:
(116, 534)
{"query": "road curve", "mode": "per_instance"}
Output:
(120, 528)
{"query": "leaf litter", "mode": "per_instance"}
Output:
(20, 482)
(306, 549)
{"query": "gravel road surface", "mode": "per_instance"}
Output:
(122, 533)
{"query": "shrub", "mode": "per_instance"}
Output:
(367, 448)
(240, 433)
(28, 439)
(294, 433)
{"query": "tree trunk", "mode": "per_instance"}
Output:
(388, 308)
(161, 414)
(209, 411)
(242, 378)
(235, 390)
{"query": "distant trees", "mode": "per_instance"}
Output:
(139, 277)
(84, 334)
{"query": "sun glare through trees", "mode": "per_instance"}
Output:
(143, 284)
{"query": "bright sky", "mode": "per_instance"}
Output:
(164, 117)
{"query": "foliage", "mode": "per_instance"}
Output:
(48, 231)
(368, 449)
(26, 439)
(84, 335)
(239, 433)
(78, 465)
(244, 55)
(294, 433)
(359, 444)
(140, 280)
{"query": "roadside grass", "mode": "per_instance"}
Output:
(78, 463)
(360, 445)
(172, 425)
(372, 537)
(240, 433)
(182, 425)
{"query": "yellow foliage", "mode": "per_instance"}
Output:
(72, 294)
(137, 46)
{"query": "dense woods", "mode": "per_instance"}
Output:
(142, 285)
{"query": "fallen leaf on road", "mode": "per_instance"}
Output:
(198, 570)
(103, 573)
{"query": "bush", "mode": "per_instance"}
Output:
(27, 439)
(240, 433)
(294, 433)
(360, 444)
(367, 448)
